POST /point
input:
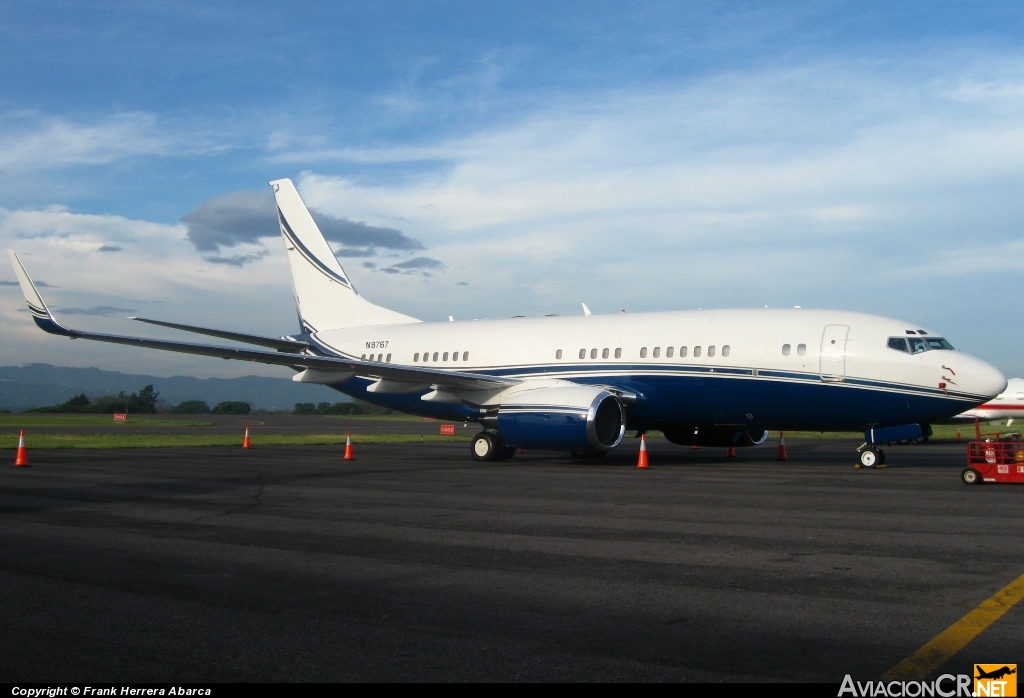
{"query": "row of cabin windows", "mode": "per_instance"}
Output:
(440, 356)
(380, 358)
(787, 349)
(593, 353)
(683, 351)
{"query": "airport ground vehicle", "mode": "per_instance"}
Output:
(998, 458)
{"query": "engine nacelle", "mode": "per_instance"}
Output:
(563, 418)
(716, 436)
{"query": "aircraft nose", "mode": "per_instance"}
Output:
(982, 379)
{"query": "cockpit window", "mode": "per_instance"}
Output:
(898, 343)
(917, 345)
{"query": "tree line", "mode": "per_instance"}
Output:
(142, 402)
(145, 401)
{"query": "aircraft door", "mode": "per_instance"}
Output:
(833, 353)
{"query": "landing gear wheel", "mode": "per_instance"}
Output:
(485, 447)
(971, 477)
(870, 457)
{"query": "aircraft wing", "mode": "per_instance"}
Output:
(289, 345)
(328, 364)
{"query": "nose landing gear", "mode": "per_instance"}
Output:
(871, 457)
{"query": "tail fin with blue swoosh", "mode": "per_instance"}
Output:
(324, 297)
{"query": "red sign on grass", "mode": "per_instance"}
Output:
(447, 430)
(120, 416)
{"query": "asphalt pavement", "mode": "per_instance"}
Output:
(415, 563)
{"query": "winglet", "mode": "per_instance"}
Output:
(40, 313)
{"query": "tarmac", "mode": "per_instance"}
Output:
(416, 563)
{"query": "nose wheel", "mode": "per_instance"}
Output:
(871, 457)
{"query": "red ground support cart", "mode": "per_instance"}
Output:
(996, 458)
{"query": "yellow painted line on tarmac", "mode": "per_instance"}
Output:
(921, 664)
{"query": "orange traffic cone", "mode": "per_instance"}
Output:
(642, 461)
(958, 437)
(348, 448)
(731, 453)
(245, 442)
(782, 447)
(21, 457)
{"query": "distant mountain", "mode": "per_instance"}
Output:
(39, 385)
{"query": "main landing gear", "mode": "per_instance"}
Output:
(871, 457)
(488, 446)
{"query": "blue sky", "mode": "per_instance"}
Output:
(487, 160)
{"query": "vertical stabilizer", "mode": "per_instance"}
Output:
(324, 297)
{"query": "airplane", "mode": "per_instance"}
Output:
(1008, 405)
(705, 377)
(995, 673)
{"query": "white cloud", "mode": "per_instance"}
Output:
(844, 186)
(58, 142)
(848, 186)
(157, 273)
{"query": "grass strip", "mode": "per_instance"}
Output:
(65, 441)
(25, 421)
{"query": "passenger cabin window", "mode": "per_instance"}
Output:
(898, 343)
(465, 356)
(696, 351)
(593, 353)
(801, 349)
(558, 354)
(604, 353)
(643, 352)
(583, 353)
(455, 356)
(669, 351)
(786, 349)
(657, 352)
(711, 350)
(416, 357)
(362, 357)
(435, 356)
(388, 358)
(726, 349)
(682, 351)
(618, 353)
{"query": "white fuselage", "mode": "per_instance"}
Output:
(773, 368)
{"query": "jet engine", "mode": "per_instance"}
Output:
(716, 436)
(563, 418)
